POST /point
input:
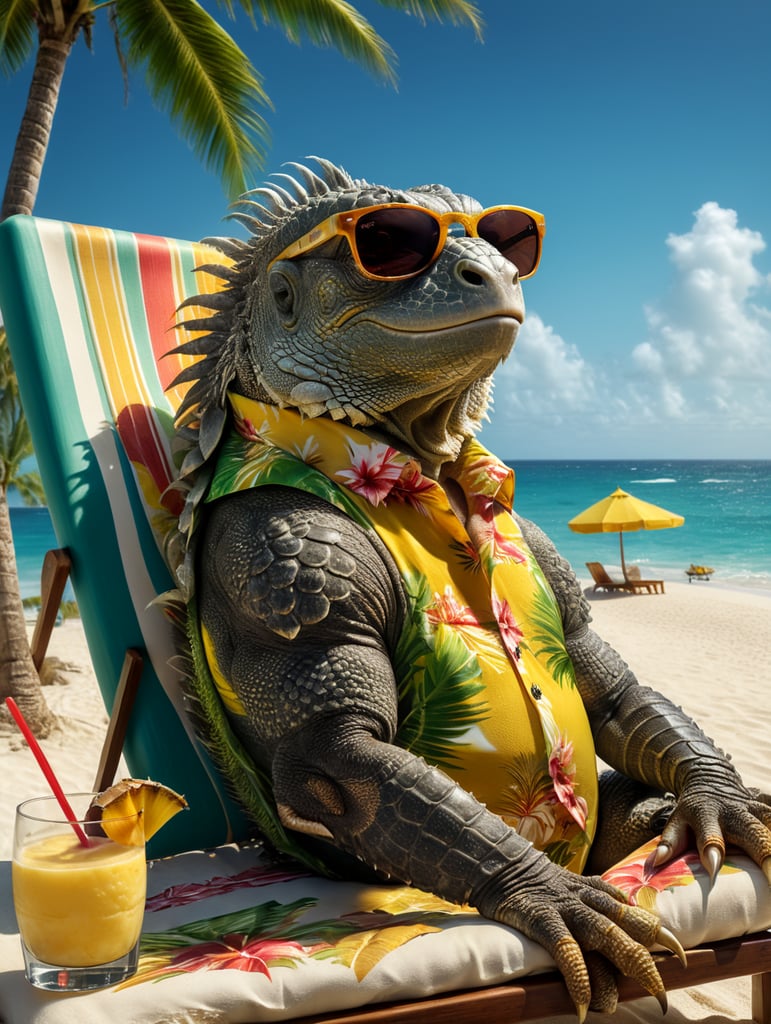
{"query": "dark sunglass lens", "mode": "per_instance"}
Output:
(396, 242)
(514, 235)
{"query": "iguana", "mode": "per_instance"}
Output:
(382, 645)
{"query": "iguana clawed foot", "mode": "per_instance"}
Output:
(715, 820)
(589, 929)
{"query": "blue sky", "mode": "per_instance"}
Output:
(641, 131)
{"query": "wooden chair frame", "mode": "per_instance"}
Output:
(635, 581)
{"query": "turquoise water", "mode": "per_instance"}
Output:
(726, 504)
(33, 535)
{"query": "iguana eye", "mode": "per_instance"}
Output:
(282, 289)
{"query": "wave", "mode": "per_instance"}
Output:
(759, 582)
(715, 480)
(658, 480)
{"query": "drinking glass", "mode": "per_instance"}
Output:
(79, 907)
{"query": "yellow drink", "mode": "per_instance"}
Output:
(79, 906)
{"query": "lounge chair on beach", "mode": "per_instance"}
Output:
(635, 581)
(602, 580)
(89, 315)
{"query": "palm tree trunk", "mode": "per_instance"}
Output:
(35, 130)
(18, 678)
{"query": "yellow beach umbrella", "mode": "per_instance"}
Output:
(621, 512)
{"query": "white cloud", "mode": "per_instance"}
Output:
(698, 384)
(546, 372)
(706, 334)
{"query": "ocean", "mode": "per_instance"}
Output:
(726, 505)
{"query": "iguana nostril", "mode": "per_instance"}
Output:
(470, 272)
(472, 277)
(476, 274)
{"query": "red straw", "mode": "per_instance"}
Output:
(42, 760)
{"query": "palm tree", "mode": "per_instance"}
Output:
(191, 65)
(212, 92)
(17, 678)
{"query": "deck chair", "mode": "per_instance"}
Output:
(602, 581)
(89, 315)
(636, 582)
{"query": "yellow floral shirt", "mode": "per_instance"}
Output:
(485, 683)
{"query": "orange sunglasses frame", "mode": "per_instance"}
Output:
(344, 224)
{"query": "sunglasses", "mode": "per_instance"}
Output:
(395, 241)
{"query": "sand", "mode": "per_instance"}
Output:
(704, 646)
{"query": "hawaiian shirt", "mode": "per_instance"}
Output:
(486, 687)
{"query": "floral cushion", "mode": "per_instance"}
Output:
(230, 937)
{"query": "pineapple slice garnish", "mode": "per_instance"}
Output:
(133, 810)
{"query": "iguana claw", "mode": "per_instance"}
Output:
(669, 941)
(661, 854)
(712, 861)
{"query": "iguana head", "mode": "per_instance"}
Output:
(409, 359)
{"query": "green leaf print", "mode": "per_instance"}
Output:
(546, 636)
(439, 679)
(242, 465)
(270, 919)
(561, 851)
(415, 642)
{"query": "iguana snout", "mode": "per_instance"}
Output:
(400, 332)
(333, 341)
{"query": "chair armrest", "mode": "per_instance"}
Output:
(53, 579)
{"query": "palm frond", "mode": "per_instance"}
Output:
(196, 72)
(30, 488)
(457, 12)
(328, 23)
(15, 439)
(17, 33)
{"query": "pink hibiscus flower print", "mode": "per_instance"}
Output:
(511, 634)
(412, 488)
(230, 953)
(190, 892)
(247, 429)
(448, 610)
(507, 549)
(563, 773)
(488, 474)
(490, 534)
(375, 468)
(642, 882)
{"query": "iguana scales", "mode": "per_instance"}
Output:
(359, 349)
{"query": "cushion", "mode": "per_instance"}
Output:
(230, 937)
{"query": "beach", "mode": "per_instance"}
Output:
(704, 646)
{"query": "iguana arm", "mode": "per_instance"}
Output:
(336, 772)
(645, 736)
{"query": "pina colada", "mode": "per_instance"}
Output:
(79, 905)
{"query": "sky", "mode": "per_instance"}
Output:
(641, 131)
